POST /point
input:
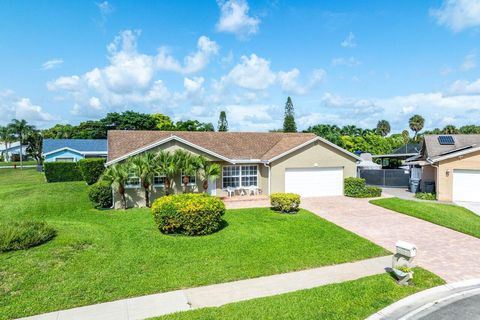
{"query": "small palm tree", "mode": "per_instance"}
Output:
(383, 128)
(450, 129)
(21, 128)
(188, 165)
(208, 171)
(6, 137)
(144, 167)
(117, 176)
(165, 164)
(416, 124)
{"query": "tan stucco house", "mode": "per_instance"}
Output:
(273, 162)
(452, 162)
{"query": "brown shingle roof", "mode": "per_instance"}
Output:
(434, 149)
(231, 145)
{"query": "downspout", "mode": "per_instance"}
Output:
(265, 163)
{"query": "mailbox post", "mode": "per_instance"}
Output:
(403, 257)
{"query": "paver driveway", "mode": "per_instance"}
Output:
(452, 255)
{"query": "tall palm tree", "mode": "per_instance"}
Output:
(165, 164)
(21, 129)
(144, 167)
(416, 124)
(188, 165)
(6, 137)
(117, 176)
(208, 171)
(383, 128)
(450, 129)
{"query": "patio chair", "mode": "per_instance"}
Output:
(230, 191)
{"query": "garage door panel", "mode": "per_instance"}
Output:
(466, 185)
(314, 182)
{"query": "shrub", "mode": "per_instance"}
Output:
(426, 196)
(356, 188)
(101, 194)
(285, 202)
(91, 169)
(189, 214)
(24, 235)
(62, 171)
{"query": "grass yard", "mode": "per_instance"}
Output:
(450, 216)
(25, 163)
(349, 300)
(106, 255)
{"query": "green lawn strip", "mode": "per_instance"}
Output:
(25, 163)
(102, 256)
(451, 216)
(348, 300)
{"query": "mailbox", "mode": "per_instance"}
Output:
(406, 249)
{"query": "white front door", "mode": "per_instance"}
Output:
(212, 187)
(314, 182)
(466, 185)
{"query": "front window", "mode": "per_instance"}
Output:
(64, 160)
(236, 176)
(159, 180)
(132, 182)
(192, 180)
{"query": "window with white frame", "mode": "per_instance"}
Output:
(192, 180)
(132, 182)
(236, 176)
(64, 159)
(159, 180)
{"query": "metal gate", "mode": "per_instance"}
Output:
(386, 177)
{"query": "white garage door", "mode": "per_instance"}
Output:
(466, 185)
(314, 182)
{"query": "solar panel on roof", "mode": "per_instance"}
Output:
(446, 140)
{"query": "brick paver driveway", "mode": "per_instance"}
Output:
(452, 255)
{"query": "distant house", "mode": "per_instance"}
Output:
(72, 150)
(12, 153)
(452, 164)
(401, 153)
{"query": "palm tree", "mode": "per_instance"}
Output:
(21, 128)
(351, 130)
(117, 176)
(188, 165)
(208, 171)
(165, 164)
(144, 167)
(416, 124)
(383, 128)
(406, 138)
(450, 129)
(6, 137)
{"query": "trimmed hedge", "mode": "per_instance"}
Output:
(188, 214)
(100, 194)
(356, 188)
(62, 171)
(91, 169)
(24, 235)
(285, 202)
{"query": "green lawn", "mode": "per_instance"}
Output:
(107, 255)
(25, 163)
(349, 300)
(450, 216)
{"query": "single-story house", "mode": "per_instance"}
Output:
(72, 150)
(13, 151)
(270, 161)
(452, 162)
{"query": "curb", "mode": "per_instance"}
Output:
(418, 302)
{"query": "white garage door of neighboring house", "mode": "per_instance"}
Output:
(466, 185)
(314, 182)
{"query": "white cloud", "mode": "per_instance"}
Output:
(465, 87)
(194, 84)
(52, 64)
(69, 83)
(458, 15)
(14, 107)
(289, 81)
(105, 8)
(469, 63)
(348, 62)
(252, 73)
(253, 117)
(234, 18)
(349, 41)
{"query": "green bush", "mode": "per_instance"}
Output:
(426, 196)
(24, 235)
(91, 169)
(356, 188)
(189, 214)
(101, 194)
(285, 202)
(62, 171)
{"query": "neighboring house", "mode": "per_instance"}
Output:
(13, 150)
(452, 162)
(72, 150)
(401, 153)
(273, 162)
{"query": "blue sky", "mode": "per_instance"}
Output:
(342, 62)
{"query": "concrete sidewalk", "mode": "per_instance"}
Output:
(220, 294)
